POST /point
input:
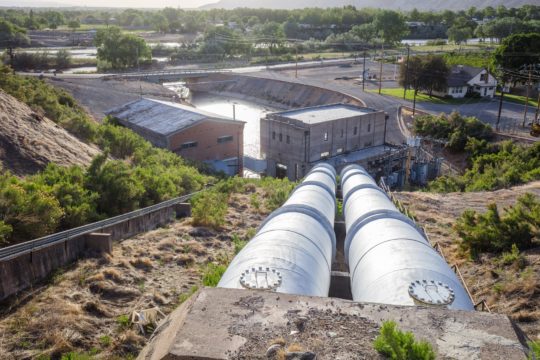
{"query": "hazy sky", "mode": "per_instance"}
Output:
(110, 3)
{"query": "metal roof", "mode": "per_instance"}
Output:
(318, 114)
(163, 117)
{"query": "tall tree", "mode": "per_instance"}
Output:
(120, 50)
(390, 26)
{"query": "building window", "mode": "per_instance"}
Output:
(367, 144)
(273, 135)
(369, 127)
(325, 136)
(325, 155)
(288, 139)
(339, 151)
(224, 139)
(280, 137)
(483, 77)
(342, 132)
(355, 131)
(188, 145)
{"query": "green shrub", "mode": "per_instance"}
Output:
(493, 232)
(453, 128)
(212, 273)
(494, 167)
(513, 257)
(399, 345)
(276, 191)
(209, 208)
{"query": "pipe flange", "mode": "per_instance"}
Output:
(261, 278)
(431, 292)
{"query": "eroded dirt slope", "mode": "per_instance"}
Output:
(29, 141)
(508, 289)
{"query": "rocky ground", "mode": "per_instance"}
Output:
(508, 289)
(86, 308)
(29, 141)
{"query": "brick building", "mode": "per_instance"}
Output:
(192, 133)
(292, 141)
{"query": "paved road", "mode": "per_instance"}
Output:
(511, 116)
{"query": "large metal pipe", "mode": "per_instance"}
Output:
(390, 260)
(294, 247)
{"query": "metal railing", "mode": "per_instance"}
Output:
(158, 73)
(482, 304)
(49, 240)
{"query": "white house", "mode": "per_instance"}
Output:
(467, 79)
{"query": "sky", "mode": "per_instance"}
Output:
(109, 3)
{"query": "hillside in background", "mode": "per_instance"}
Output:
(383, 4)
(29, 141)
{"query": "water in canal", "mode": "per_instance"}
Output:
(247, 111)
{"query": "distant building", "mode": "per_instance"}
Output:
(192, 133)
(292, 141)
(467, 79)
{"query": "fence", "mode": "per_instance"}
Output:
(24, 264)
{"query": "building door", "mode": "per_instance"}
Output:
(281, 171)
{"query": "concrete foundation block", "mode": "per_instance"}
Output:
(99, 242)
(218, 324)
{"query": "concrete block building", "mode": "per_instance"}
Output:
(192, 133)
(292, 141)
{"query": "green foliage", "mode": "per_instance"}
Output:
(209, 208)
(60, 198)
(212, 274)
(476, 59)
(77, 356)
(453, 128)
(277, 191)
(513, 257)
(123, 321)
(534, 347)
(238, 243)
(492, 232)
(517, 51)
(119, 49)
(424, 73)
(105, 341)
(399, 345)
(184, 296)
(12, 35)
(494, 167)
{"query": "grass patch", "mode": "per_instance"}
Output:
(399, 345)
(238, 243)
(421, 97)
(184, 296)
(518, 99)
(212, 274)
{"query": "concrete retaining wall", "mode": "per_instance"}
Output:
(271, 92)
(22, 271)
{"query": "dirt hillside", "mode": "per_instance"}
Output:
(508, 289)
(28, 141)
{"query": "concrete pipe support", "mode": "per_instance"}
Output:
(390, 260)
(294, 247)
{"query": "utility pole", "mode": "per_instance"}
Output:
(296, 66)
(527, 100)
(537, 109)
(406, 73)
(380, 68)
(500, 108)
(414, 97)
(364, 73)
